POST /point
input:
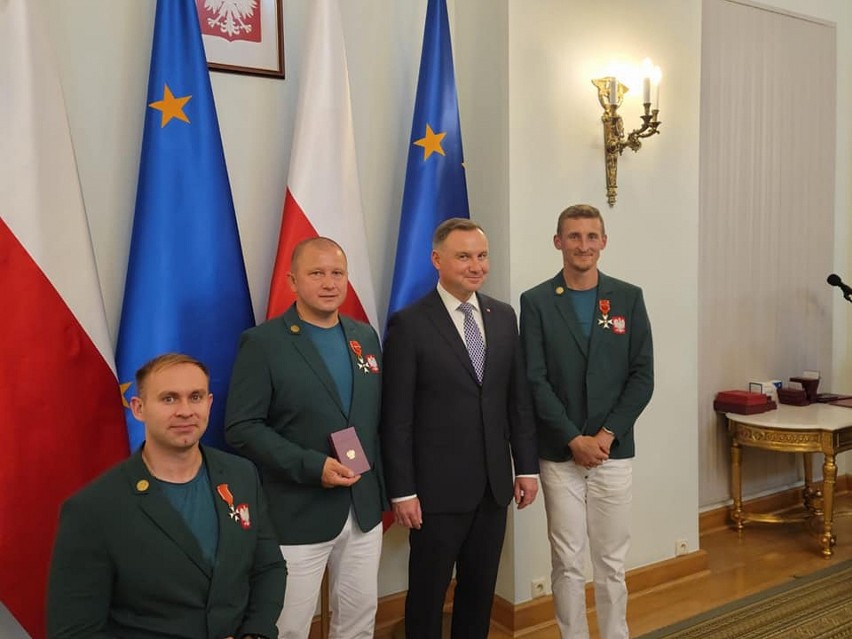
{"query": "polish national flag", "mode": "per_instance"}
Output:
(323, 196)
(61, 420)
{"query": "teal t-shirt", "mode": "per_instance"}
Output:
(584, 307)
(331, 344)
(194, 502)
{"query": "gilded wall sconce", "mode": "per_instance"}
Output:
(610, 95)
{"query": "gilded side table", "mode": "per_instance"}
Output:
(818, 428)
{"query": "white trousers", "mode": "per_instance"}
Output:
(353, 567)
(588, 508)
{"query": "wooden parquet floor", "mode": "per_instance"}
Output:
(739, 565)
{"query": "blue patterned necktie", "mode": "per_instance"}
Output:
(473, 340)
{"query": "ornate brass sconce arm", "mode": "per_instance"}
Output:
(610, 95)
(649, 127)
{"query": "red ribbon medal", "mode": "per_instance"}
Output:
(356, 348)
(225, 494)
(240, 514)
(604, 321)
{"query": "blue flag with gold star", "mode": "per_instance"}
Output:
(435, 186)
(186, 288)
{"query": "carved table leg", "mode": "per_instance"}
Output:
(829, 474)
(736, 484)
(809, 495)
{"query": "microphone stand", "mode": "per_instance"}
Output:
(834, 280)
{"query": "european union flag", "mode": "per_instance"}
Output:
(186, 287)
(435, 186)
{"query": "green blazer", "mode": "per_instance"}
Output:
(126, 565)
(580, 384)
(283, 405)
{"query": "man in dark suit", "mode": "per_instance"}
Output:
(173, 542)
(590, 363)
(455, 403)
(297, 379)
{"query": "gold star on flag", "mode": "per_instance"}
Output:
(123, 388)
(431, 143)
(170, 106)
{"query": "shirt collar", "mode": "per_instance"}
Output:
(452, 302)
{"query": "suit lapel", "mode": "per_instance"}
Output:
(229, 527)
(359, 374)
(437, 314)
(565, 307)
(154, 504)
(605, 292)
(305, 347)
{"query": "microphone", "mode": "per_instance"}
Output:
(835, 280)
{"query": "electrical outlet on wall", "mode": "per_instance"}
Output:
(538, 587)
(681, 547)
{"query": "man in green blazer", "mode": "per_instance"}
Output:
(297, 379)
(589, 357)
(174, 542)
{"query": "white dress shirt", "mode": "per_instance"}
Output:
(451, 302)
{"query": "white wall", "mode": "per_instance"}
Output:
(532, 138)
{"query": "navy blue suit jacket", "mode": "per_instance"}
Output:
(445, 437)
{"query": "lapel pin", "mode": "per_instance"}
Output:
(294, 328)
(559, 290)
(142, 485)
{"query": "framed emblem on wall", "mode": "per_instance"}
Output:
(243, 36)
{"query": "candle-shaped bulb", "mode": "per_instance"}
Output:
(647, 71)
(656, 78)
(613, 91)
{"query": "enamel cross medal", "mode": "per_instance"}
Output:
(604, 320)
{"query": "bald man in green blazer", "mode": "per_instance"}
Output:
(589, 357)
(174, 542)
(297, 379)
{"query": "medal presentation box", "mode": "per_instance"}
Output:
(793, 396)
(742, 402)
(348, 450)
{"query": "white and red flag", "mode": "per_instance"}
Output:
(323, 195)
(61, 420)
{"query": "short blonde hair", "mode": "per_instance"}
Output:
(161, 362)
(580, 211)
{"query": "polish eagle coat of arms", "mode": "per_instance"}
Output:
(230, 19)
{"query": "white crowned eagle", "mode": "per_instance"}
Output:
(230, 15)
